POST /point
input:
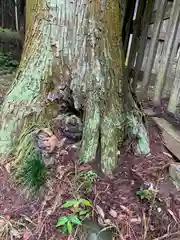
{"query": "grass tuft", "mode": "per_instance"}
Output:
(33, 173)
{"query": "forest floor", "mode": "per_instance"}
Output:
(115, 202)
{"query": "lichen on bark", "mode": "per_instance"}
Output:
(77, 44)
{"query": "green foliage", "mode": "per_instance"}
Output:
(86, 180)
(32, 173)
(80, 211)
(147, 194)
(7, 63)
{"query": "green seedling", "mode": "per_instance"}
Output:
(145, 194)
(87, 179)
(80, 211)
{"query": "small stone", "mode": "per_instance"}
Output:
(113, 213)
(159, 209)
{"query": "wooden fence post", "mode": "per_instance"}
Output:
(143, 39)
(128, 23)
(175, 91)
(136, 34)
(161, 76)
(153, 47)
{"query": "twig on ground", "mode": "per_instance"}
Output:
(168, 235)
(97, 195)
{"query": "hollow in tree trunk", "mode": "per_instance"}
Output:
(77, 45)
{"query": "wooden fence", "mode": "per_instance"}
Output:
(139, 45)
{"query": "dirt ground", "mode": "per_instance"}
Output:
(34, 218)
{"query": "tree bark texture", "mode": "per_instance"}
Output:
(77, 45)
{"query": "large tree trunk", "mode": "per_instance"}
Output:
(77, 45)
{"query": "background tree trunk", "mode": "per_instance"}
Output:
(73, 45)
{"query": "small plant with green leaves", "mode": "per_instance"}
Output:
(81, 209)
(87, 179)
(7, 63)
(146, 194)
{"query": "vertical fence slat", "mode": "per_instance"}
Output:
(143, 40)
(161, 76)
(175, 91)
(127, 23)
(153, 47)
(136, 34)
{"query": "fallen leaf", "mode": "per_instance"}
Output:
(172, 214)
(51, 143)
(15, 233)
(121, 217)
(26, 235)
(100, 211)
(107, 221)
(7, 217)
(8, 167)
(126, 210)
(136, 220)
(167, 154)
(2, 222)
(70, 238)
(101, 222)
(113, 213)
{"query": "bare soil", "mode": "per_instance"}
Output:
(135, 218)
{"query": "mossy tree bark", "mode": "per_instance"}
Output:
(80, 43)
